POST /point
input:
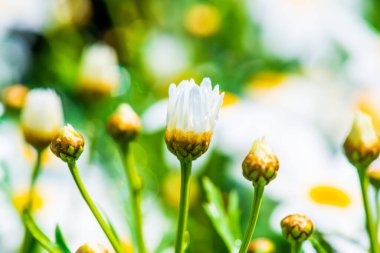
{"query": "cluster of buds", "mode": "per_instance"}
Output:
(124, 125)
(68, 144)
(192, 112)
(261, 165)
(93, 248)
(362, 145)
(297, 228)
(41, 117)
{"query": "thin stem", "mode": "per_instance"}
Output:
(106, 229)
(258, 196)
(296, 247)
(377, 203)
(29, 242)
(317, 246)
(135, 191)
(183, 206)
(370, 225)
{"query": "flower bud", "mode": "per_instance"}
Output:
(374, 177)
(261, 165)
(14, 96)
(41, 117)
(99, 73)
(92, 248)
(362, 145)
(124, 125)
(68, 144)
(261, 245)
(297, 228)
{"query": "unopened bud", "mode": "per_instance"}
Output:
(297, 228)
(374, 177)
(68, 144)
(261, 165)
(124, 125)
(92, 248)
(362, 145)
(261, 245)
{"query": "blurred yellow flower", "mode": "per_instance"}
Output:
(202, 20)
(329, 195)
(20, 198)
(229, 99)
(265, 80)
(171, 190)
(14, 96)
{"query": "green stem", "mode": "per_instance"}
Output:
(258, 196)
(370, 225)
(38, 234)
(113, 240)
(317, 246)
(377, 203)
(296, 247)
(183, 206)
(29, 242)
(135, 191)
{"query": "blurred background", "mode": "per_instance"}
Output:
(293, 71)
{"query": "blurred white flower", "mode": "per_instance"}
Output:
(165, 56)
(99, 72)
(329, 195)
(42, 117)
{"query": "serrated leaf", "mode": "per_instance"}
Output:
(60, 240)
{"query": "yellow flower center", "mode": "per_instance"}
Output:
(229, 99)
(266, 79)
(21, 198)
(203, 20)
(329, 195)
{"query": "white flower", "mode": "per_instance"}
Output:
(99, 71)
(165, 56)
(192, 107)
(42, 117)
(329, 195)
(191, 116)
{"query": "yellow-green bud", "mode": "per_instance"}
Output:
(14, 96)
(68, 144)
(261, 165)
(362, 145)
(124, 125)
(374, 177)
(92, 248)
(297, 228)
(261, 245)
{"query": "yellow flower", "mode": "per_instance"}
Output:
(14, 96)
(202, 20)
(261, 245)
(20, 199)
(93, 248)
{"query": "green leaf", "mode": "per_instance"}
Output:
(60, 240)
(234, 214)
(217, 214)
(42, 239)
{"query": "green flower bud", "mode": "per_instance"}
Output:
(297, 228)
(261, 165)
(261, 245)
(68, 144)
(362, 145)
(92, 248)
(374, 177)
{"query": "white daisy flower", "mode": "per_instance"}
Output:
(99, 72)
(41, 117)
(192, 112)
(172, 55)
